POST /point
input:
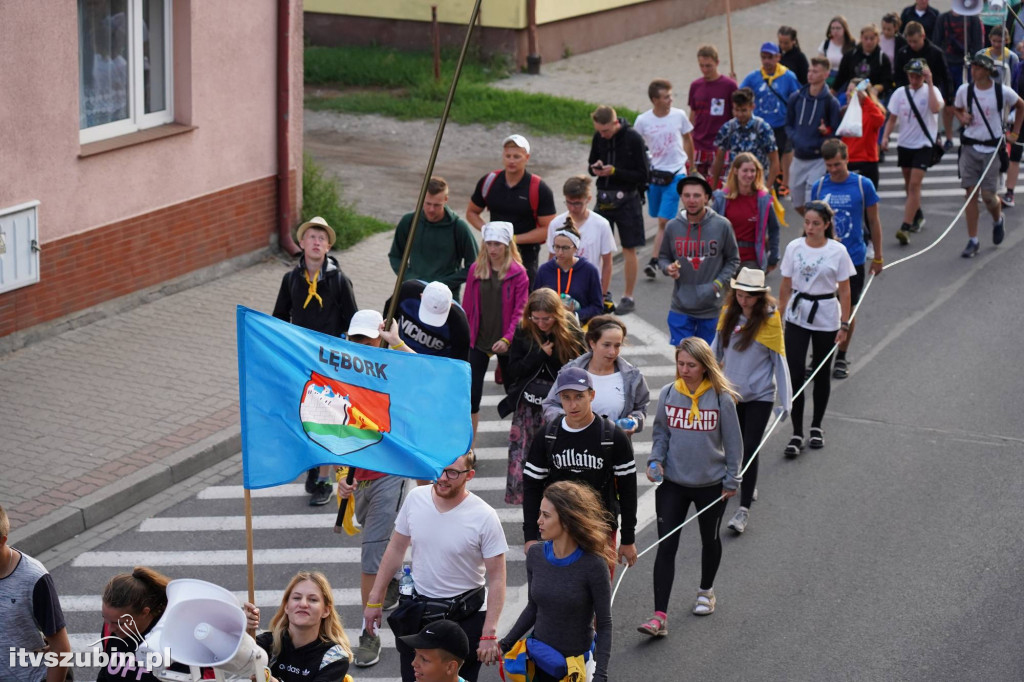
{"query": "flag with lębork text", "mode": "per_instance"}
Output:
(309, 399)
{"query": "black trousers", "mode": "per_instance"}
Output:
(797, 341)
(753, 417)
(672, 502)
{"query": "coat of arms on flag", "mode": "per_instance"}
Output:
(343, 418)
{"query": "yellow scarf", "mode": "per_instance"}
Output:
(769, 335)
(704, 387)
(780, 211)
(350, 511)
(779, 70)
(312, 289)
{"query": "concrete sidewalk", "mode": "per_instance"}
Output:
(98, 418)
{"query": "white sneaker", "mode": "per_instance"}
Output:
(738, 522)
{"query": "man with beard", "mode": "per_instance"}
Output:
(700, 253)
(458, 548)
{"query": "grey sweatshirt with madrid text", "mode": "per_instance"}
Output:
(701, 452)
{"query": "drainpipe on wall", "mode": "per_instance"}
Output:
(284, 197)
(533, 58)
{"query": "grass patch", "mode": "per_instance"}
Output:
(474, 103)
(390, 68)
(408, 91)
(321, 196)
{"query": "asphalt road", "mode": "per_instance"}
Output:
(891, 554)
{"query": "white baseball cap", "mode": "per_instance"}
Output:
(435, 303)
(517, 140)
(366, 323)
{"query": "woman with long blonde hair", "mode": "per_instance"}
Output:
(750, 208)
(305, 634)
(497, 287)
(569, 586)
(547, 337)
(696, 453)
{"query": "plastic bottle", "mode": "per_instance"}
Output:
(655, 474)
(405, 583)
(626, 423)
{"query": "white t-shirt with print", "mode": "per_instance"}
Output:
(595, 237)
(664, 137)
(448, 550)
(911, 135)
(609, 394)
(987, 99)
(816, 271)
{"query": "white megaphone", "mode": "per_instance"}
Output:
(969, 8)
(204, 626)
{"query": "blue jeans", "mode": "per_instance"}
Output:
(680, 326)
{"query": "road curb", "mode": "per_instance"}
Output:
(89, 511)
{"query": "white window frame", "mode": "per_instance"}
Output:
(139, 120)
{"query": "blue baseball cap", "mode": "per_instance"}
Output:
(771, 48)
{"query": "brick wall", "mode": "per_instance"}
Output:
(110, 261)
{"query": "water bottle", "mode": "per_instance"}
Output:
(405, 584)
(655, 474)
(626, 423)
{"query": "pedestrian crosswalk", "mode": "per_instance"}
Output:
(203, 537)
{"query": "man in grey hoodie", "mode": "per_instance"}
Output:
(699, 252)
(812, 118)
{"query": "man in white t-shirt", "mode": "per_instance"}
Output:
(977, 107)
(458, 546)
(914, 151)
(668, 134)
(596, 241)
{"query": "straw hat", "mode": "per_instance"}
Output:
(750, 280)
(316, 222)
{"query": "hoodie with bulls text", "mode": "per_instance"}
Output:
(708, 258)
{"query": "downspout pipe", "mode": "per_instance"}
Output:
(283, 119)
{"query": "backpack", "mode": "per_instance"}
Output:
(534, 189)
(607, 437)
(971, 97)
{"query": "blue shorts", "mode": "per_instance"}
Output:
(681, 326)
(663, 200)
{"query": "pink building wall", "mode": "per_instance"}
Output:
(224, 85)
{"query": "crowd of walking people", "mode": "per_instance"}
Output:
(798, 141)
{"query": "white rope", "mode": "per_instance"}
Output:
(867, 285)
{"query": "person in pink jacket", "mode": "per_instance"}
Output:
(497, 287)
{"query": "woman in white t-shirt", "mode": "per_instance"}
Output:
(815, 295)
(620, 389)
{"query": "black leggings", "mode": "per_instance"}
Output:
(797, 341)
(478, 361)
(753, 418)
(671, 502)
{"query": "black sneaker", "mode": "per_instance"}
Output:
(1007, 199)
(998, 231)
(322, 494)
(311, 477)
(971, 250)
(917, 223)
(947, 145)
(626, 305)
(609, 303)
(901, 235)
(651, 269)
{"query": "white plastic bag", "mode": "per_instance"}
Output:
(852, 125)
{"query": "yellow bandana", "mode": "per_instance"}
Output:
(779, 70)
(312, 289)
(704, 387)
(769, 335)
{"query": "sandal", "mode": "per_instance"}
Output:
(795, 446)
(655, 627)
(783, 191)
(705, 605)
(817, 439)
(842, 369)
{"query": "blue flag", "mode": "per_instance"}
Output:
(309, 399)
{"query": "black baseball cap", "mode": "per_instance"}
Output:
(695, 179)
(441, 634)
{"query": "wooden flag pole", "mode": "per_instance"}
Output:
(248, 552)
(430, 164)
(728, 28)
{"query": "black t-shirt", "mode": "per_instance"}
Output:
(317, 661)
(451, 340)
(579, 456)
(512, 204)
